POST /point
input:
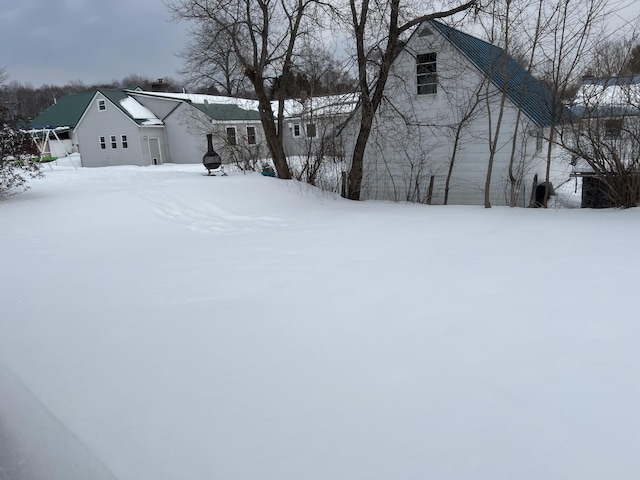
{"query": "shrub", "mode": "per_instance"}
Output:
(16, 164)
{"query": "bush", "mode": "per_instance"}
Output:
(16, 166)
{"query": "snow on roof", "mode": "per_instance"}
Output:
(613, 92)
(322, 105)
(204, 99)
(325, 105)
(139, 112)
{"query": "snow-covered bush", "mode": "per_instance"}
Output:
(16, 160)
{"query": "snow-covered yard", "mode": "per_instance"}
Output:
(158, 324)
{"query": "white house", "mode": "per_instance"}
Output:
(604, 137)
(135, 127)
(431, 137)
(312, 122)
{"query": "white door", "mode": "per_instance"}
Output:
(154, 151)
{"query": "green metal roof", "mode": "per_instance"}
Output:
(66, 112)
(227, 112)
(69, 109)
(522, 88)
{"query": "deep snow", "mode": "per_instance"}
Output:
(157, 323)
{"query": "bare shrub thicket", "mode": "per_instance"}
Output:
(17, 164)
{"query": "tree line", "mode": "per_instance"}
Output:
(21, 101)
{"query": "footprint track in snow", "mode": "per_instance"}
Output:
(209, 218)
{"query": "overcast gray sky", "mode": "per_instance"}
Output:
(58, 41)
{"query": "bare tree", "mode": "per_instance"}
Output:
(466, 113)
(571, 31)
(263, 35)
(210, 59)
(604, 139)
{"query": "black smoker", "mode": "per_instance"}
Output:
(211, 160)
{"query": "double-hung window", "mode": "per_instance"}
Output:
(427, 73)
(251, 135)
(103, 143)
(114, 144)
(125, 142)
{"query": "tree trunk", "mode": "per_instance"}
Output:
(272, 133)
(357, 160)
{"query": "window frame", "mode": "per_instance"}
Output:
(613, 128)
(427, 73)
(232, 139)
(102, 104)
(124, 141)
(102, 141)
(251, 137)
(114, 141)
(296, 130)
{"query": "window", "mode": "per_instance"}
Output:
(296, 129)
(125, 143)
(103, 143)
(427, 76)
(311, 129)
(114, 144)
(251, 135)
(538, 134)
(102, 105)
(425, 32)
(231, 136)
(613, 128)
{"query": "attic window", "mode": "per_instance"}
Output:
(425, 32)
(427, 76)
(102, 105)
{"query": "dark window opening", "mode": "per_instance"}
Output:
(231, 136)
(311, 129)
(613, 128)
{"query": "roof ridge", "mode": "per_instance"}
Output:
(520, 86)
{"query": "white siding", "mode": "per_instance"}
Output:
(113, 121)
(187, 128)
(413, 135)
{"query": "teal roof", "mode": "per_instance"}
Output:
(66, 112)
(227, 112)
(521, 87)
